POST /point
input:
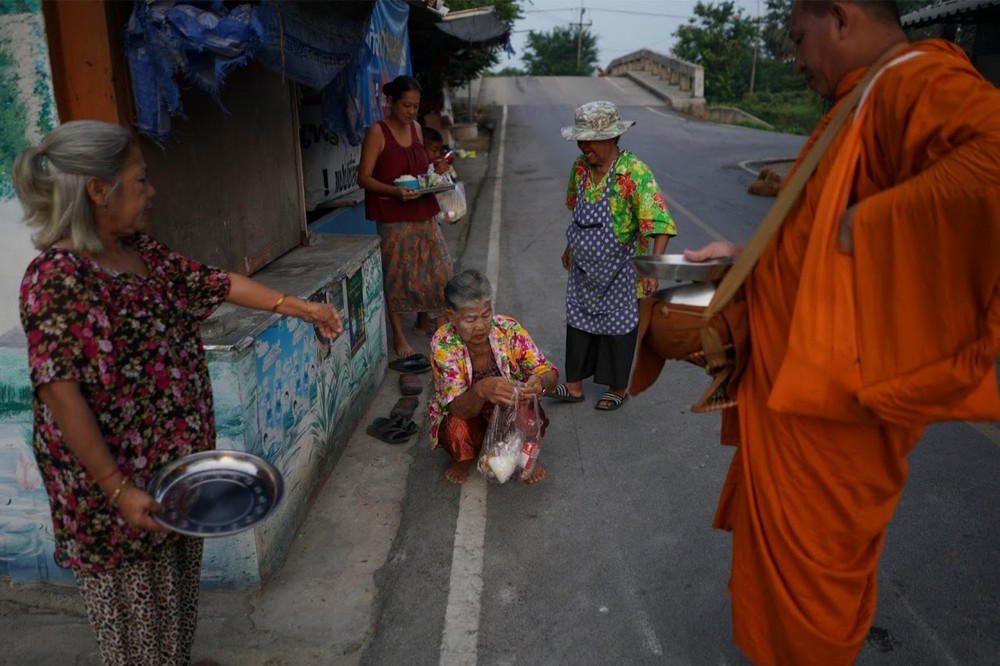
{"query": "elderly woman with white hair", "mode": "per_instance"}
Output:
(618, 212)
(476, 358)
(121, 386)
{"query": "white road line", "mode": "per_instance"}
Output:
(705, 226)
(460, 636)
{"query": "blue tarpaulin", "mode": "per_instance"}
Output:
(170, 43)
(199, 41)
(354, 100)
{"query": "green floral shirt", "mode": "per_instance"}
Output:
(638, 210)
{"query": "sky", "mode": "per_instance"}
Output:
(621, 26)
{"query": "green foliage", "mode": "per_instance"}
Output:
(720, 39)
(794, 112)
(13, 123)
(20, 7)
(776, 43)
(561, 52)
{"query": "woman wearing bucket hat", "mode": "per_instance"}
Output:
(618, 212)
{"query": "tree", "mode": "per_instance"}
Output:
(556, 53)
(720, 39)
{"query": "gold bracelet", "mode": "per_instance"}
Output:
(278, 303)
(106, 476)
(118, 491)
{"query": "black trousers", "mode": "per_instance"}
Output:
(606, 358)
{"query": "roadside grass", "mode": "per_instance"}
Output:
(795, 112)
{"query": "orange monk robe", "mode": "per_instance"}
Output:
(822, 460)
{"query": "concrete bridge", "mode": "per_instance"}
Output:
(680, 84)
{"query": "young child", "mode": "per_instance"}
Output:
(434, 145)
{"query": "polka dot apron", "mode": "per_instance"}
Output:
(601, 291)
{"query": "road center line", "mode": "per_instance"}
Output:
(460, 636)
(705, 226)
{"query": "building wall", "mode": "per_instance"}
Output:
(27, 113)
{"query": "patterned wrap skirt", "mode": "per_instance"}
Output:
(146, 612)
(416, 265)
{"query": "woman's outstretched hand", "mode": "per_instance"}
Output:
(714, 250)
(326, 319)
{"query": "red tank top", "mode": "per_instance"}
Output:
(393, 162)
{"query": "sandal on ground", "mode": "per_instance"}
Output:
(562, 394)
(609, 402)
(414, 363)
(388, 431)
(410, 384)
(404, 408)
(400, 422)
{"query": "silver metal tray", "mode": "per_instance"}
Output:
(444, 187)
(676, 267)
(216, 493)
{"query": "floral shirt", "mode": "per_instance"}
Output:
(514, 352)
(133, 346)
(638, 209)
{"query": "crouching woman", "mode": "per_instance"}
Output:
(476, 359)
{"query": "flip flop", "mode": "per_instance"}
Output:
(410, 385)
(387, 431)
(399, 422)
(562, 394)
(613, 398)
(416, 364)
(404, 408)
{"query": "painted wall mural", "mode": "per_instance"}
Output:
(290, 397)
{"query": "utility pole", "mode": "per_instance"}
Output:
(579, 35)
(756, 44)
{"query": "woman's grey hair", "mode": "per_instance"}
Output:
(468, 289)
(51, 180)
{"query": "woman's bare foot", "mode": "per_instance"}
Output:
(404, 349)
(537, 474)
(458, 472)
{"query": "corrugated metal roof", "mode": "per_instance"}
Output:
(951, 11)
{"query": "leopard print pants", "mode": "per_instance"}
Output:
(145, 613)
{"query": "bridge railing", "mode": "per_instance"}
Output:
(688, 77)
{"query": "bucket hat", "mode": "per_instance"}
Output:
(596, 121)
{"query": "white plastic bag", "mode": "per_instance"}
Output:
(512, 441)
(452, 203)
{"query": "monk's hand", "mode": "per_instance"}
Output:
(714, 250)
(567, 258)
(845, 233)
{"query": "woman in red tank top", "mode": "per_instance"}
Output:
(415, 260)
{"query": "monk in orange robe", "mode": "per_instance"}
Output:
(874, 311)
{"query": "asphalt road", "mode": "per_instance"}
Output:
(612, 560)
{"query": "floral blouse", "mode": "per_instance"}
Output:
(133, 346)
(514, 353)
(637, 205)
